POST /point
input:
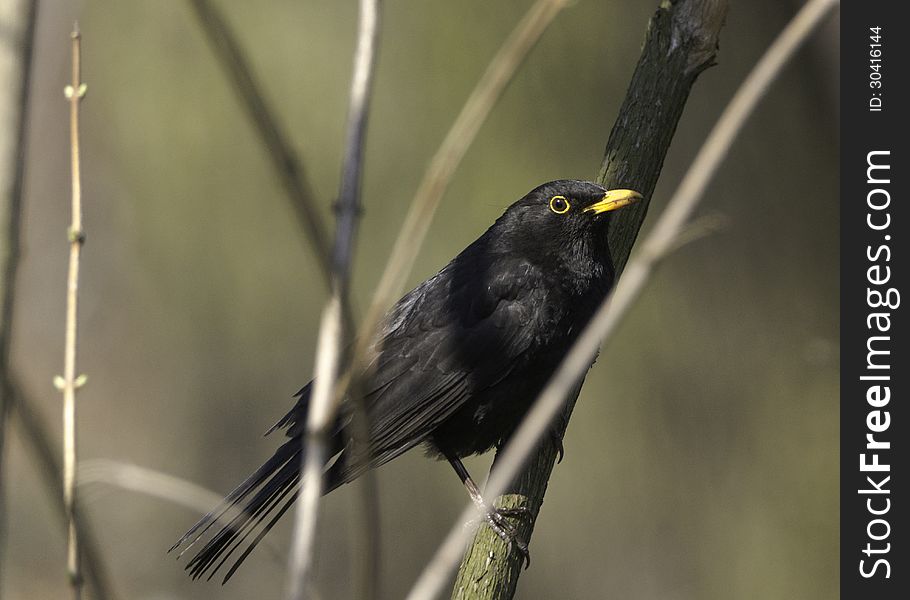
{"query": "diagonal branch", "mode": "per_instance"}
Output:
(284, 160)
(157, 484)
(680, 43)
(659, 242)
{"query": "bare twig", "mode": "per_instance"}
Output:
(478, 106)
(142, 480)
(655, 247)
(19, 19)
(348, 206)
(37, 439)
(151, 483)
(328, 360)
(284, 160)
(366, 584)
(444, 163)
(40, 443)
(69, 382)
(316, 445)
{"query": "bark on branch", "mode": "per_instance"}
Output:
(681, 42)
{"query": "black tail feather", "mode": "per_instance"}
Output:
(271, 483)
(261, 535)
(233, 498)
(232, 535)
(260, 495)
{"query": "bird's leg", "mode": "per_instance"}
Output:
(474, 492)
(495, 518)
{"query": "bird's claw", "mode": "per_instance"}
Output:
(516, 512)
(497, 519)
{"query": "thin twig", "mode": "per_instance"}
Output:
(435, 181)
(283, 158)
(348, 206)
(70, 381)
(316, 450)
(636, 274)
(322, 409)
(164, 486)
(681, 42)
(349, 209)
(444, 163)
(150, 482)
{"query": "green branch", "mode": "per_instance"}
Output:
(681, 42)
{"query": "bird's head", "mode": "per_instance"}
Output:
(564, 220)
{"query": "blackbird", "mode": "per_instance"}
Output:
(460, 359)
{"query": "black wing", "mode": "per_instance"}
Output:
(455, 335)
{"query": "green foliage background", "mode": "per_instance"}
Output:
(702, 459)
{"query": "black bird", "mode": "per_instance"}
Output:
(460, 359)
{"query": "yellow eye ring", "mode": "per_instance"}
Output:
(559, 205)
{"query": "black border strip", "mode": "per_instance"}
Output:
(874, 367)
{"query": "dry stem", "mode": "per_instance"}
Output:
(70, 382)
(322, 409)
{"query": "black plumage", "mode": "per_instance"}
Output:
(460, 358)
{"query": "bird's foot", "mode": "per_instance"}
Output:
(497, 519)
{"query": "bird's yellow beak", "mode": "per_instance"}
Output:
(614, 199)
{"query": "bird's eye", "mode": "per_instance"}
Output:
(559, 205)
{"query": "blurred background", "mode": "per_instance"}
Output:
(702, 459)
